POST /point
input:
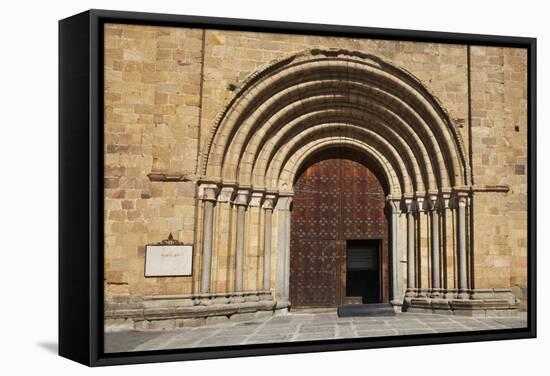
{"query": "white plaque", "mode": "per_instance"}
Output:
(168, 260)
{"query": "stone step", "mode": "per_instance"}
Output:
(377, 309)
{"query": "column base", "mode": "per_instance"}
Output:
(479, 302)
(177, 311)
(397, 305)
(282, 303)
(450, 294)
(422, 293)
(463, 294)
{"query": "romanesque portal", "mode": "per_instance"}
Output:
(317, 100)
(319, 171)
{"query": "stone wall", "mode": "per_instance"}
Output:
(152, 86)
(499, 158)
(164, 88)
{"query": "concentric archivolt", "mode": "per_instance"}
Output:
(317, 99)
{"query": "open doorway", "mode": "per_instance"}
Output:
(363, 271)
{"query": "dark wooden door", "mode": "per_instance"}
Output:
(338, 197)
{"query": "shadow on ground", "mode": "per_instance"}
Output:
(51, 347)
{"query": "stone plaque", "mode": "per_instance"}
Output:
(168, 258)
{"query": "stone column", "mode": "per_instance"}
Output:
(411, 280)
(283, 248)
(287, 248)
(418, 206)
(396, 246)
(223, 235)
(462, 201)
(241, 201)
(448, 292)
(269, 203)
(208, 193)
(434, 244)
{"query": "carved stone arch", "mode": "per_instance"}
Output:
(261, 148)
(333, 135)
(404, 93)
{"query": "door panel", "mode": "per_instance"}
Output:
(316, 271)
(338, 197)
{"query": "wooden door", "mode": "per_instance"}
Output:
(338, 197)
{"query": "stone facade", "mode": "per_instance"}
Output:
(169, 93)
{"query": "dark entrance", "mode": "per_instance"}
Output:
(338, 247)
(363, 271)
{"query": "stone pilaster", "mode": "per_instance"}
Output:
(433, 204)
(461, 203)
(268, 205)
(283, 248)
(418, 210)
(411, 277)
(396, 249)
(444, 211)
(208, 193)
(241, 202)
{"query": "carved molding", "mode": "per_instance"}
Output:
(169, 176)
(492, 188)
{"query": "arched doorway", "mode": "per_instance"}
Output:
(287, 112)
(339, 232)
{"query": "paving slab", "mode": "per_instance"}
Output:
(302, 327)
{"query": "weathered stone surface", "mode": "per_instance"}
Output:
(243, 316)
(263, 314)
(214, 320)
(162, 324)
(116, 325)
(190, 323)
(164, 90)
(304, 327)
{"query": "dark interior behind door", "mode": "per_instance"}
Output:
(363, 270)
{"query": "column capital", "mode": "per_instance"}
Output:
(241, 198)
(418, 205)
(208, 192)
(408, 202)
(433, 200)
(462, 197)
(256, 198)
(394, 204)
(283, 203)
(269, 201)
(445, 199)
(226, 194)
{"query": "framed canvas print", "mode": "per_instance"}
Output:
(240, 187)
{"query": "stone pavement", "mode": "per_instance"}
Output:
(303, 327)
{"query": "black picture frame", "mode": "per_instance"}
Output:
(81, 186)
